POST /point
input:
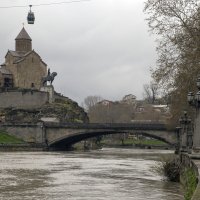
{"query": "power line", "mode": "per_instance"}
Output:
(45, 4)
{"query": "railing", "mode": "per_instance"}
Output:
(122, 126)
(110, 126)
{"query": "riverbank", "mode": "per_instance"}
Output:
(196, 160)
(93, 146)
(77, 147)
(189, 175)
(187, 168)
(6, 139)
(133, 142)
(119, 143)
(11, 143)
(21, 147)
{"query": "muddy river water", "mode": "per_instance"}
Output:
(107, 174)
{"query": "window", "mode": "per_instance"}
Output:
(7, 82)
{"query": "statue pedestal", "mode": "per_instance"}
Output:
(50, 90)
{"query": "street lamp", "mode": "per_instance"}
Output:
(178, 136)
(190, 97)
(198, 83)
(194, 100)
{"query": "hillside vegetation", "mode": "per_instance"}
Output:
(64, 110)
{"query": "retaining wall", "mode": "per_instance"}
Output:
(23, 99)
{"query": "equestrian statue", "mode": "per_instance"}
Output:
(50, 77)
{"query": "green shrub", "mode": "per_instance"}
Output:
(170, 168)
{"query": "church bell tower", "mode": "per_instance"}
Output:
(23, 42)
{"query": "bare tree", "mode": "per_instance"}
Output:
(150, 113)
(151, 92)
(91, 101)
(113, 113)
(177, 25)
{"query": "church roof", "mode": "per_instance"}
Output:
(23, 56)
(16, 53)
(23, 35)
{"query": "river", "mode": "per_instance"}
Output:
(107, 174)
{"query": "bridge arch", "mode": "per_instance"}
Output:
(69, 140)
(66, 134)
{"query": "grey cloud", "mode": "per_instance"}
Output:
(100, 47)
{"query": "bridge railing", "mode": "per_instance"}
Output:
(125, 126)
(110, 126)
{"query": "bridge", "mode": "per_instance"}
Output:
(62, 135)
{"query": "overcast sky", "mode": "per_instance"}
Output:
(98, 47)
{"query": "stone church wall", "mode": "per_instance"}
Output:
(30, 72)
(23, 99)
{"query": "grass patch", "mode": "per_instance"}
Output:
(190, 183)
(5, 138)
(149, 142)
(172, 169)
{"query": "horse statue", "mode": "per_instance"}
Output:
(50, 77)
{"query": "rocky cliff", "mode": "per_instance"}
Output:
(63, 110)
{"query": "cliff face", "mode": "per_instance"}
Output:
(63, 110)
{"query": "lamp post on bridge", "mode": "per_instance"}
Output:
(178, 136)
(186, 133)
(194, 100)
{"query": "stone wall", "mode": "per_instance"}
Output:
(50, 90)
(23, 99)
(30, 133)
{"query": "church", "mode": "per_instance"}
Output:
(25, 96)
(23, 68)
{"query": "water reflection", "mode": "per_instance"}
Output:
(108, 174)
